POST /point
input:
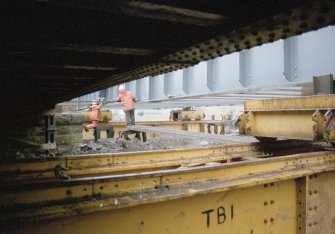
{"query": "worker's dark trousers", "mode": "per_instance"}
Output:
(130, 117)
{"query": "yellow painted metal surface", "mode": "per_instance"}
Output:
(123, 163)
(186, 115)
(95, 194)
(283, 194)
(101, 163)
(292, 124)
(302, 103)
(307, 118)
(257, 209)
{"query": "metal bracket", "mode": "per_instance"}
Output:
(59, 172)
(329, 120)
(318, 126)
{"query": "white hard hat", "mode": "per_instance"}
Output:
(121, 87)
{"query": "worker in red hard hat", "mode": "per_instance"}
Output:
(127, 100)
(95, 115)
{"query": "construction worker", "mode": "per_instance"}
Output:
(127, 100)
(95, 115)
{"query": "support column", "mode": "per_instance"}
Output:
(290, 69)
(167, 81)
(212, 74)
(243, 76)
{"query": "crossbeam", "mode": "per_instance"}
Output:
(307, 118)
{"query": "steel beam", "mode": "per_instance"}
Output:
(309, 118)
(272, 179)
(223, 139)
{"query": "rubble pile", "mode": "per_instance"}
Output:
(112, 145)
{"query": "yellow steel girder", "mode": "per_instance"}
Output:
(307, 118)
(302, 205)
(93, 194)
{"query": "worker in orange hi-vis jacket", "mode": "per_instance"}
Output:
(127, 100)
(95, 115)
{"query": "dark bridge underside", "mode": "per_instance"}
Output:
(55, 50)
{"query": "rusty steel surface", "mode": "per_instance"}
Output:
(53, 51)
(111, 195)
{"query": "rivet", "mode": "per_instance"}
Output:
(315, 191)
(265, 203)
(315, 207)
(265, 221)
(272, 201)
(272, 219)
(310, 192)
(310, 224)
